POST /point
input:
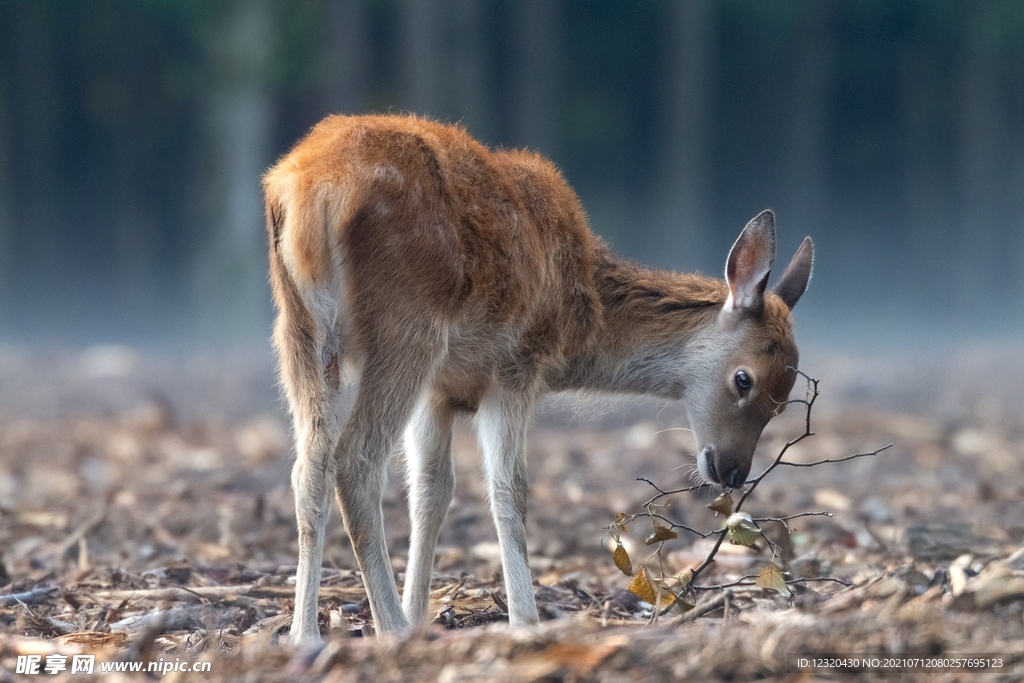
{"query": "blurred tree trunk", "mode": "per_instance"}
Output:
(6, 210)
(233, 298)
(536, 75)
(810, 120)
(421, 76)
(348, 50)
(472, 103)
(136, 262)
(982, 270)
(682, 224)
(928, 207)
(37, 185)
(1015, 209)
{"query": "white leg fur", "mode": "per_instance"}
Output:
(431, 481)
(501, 429)
(313, 404)
(311, 477)
(384, 405)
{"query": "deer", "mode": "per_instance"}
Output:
(437, 277)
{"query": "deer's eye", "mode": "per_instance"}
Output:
(743, 382)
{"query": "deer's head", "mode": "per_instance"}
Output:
(748, 358)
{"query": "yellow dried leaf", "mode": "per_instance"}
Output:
(741, 529)
(665, 596)
(722, 504)
(661, 533)
(621, 559)
(771, 578)
(649, 591)
(642, 588)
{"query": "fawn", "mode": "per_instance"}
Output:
(442, 277)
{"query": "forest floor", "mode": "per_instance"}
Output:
(146, 515)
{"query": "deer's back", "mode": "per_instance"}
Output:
(415, 213)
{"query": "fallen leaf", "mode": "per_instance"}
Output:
(649, 591)
(642, 588)
(621, 559)
(771, 578)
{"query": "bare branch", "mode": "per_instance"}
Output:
(38, 594)
(789, 517)
(742, 581)
(827, 460)
(709, 606)
(652, 485)
(651, 505)
(831, 579)
(750, 578)
(710, 558)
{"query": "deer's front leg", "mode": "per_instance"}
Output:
(501, 427)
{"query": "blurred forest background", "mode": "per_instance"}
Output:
(133, 134)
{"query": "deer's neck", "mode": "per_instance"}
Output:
(654, 325)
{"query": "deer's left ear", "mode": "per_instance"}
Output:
(793, 282)
(750, 262)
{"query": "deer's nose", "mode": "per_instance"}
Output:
(734, 478)
(732, 470)
(723, 467)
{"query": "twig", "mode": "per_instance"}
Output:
(789, 517)
(38, 594)
(746, 581)
(742, 581)
(667, 493)
(653, 510)
(710, 558)
(198, 593)
(827, 460)
(673, 525)
(812, 388)
(709, 606)
(831, 579)
(752, 484)
(174, 619)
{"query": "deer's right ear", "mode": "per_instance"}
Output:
(750, 262)
(794, 281)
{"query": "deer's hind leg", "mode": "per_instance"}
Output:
(305, 335)
(393, 373)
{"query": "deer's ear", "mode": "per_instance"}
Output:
(750, 262)
(793, 282)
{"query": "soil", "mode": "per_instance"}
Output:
(146, 515)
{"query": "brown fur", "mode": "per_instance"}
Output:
(495, 239)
